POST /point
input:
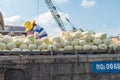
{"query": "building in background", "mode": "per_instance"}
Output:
(16, 29)
(9, 28)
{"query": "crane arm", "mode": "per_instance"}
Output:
(55, 14)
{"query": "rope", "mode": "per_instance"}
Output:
(37, 11)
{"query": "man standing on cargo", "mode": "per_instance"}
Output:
(2, 25)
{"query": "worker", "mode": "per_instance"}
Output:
(33, 29)
(2, 25)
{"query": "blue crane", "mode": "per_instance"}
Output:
(56, 16)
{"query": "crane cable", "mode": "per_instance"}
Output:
(37, 11)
